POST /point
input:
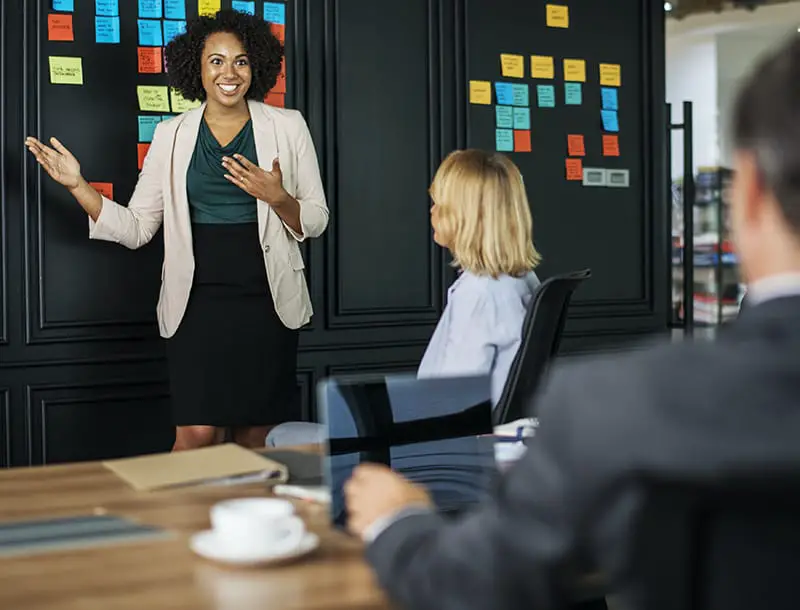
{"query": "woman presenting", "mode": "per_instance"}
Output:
(236, 185)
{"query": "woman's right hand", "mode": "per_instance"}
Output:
(58, 162)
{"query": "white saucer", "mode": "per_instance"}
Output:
(208, 545)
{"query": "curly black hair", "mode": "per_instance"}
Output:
(184, 53)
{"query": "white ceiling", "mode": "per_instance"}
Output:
(769, 19)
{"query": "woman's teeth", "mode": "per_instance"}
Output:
(229, 88)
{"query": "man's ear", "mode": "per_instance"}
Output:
(752, 187)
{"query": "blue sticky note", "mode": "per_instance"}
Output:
(106, 8)
(150, 33)
(173, 29)
(244, 6)
(67, 6)
(275, 12)
(610, 101)
(504, 116)
(166, 117)
(150, 9)
(504, 138)
(610, 120)
(106, 30)
(175, 9)
(573, 95)
(522, 118)
(546, 95)
(519, 94)
(147, 127)
(505, 93)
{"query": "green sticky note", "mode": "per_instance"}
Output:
(546, 95)
(573, 96)
(504, 139)
(505, 117)
(522, 118)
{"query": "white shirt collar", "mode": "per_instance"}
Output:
(773, 287)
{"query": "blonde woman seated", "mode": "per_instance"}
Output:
(481, 214)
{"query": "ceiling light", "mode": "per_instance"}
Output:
(668, 7)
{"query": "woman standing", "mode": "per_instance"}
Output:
(236, 185)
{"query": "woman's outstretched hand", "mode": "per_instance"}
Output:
(58, 162)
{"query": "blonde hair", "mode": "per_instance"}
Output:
(483, 214)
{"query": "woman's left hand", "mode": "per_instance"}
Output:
(261, 184)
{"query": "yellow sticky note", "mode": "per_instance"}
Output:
(611, 75)
(208, 7)
(153, 98)
(66, 70)
(180, 103)
(542, 66)
(480, 92)
(557, 16)
(575, 70)
(512, 65)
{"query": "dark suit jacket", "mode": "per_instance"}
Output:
(690, 409)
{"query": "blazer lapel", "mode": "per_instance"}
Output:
(185, 140)
(266, 149)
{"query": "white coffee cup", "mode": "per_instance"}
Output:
(253, 525)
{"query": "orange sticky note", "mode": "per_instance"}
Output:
(522, 140)
(279, 31)
(575, 169)
(106, 189)
(142, 149)
(59, 28)
(575, 147)
(610, 146)
(275, 99)
(280, 84)
(150, 60)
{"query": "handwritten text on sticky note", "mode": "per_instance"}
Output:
(59, 27)
(575, 169)
(175, 9)
(66, 70)
(575, 146)
(546, 95)
(275, 12)
(153, 98)
(609, 97)
(208, 8)
(504, 93)
(480, 92)
(573, 94)
(150, 9)
(172, 29)
(519, 95)
(611, 75)
(504, 140)
(575, 70)
(504, 117)
(150, 33)
(180, 103)
(512, 65)
(106, 30)
(542, 66)
(522, 118)
(150, 60)
(147, 127)
(610, 145)
(557, 16)
(610, 120)
(66, 6)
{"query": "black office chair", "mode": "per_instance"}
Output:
(541, 337)
(732, 545)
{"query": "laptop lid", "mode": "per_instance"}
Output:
(435, 432)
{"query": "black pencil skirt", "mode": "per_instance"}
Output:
(232, 362)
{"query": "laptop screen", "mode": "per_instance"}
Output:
(435, 432)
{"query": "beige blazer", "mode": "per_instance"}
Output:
(160, 198)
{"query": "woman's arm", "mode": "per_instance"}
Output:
(310, 215)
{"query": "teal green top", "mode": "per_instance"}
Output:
(212, 198)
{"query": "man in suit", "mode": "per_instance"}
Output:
(682, 410)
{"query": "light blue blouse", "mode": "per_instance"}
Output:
(480, 330)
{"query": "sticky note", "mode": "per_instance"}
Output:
(575, 146)
(610, 120)
(275, 99)
(153, 98)
(275, 12)
(519, 95)
(209, 8)
(106, 189)
(180, 103)
(575, 169)
(150, 33)
(504, 140)
(522, 118)
(106, 8)
(142, 153)
(65, 6)
(175, 9)
(557, 16)
(546, 95)
(167, 117)
(573, 95)
(522, 141)
(480, 92)
(512, 65)
(150, 9)
(278, 30)
(66, 70)
(505, 94)
(149, 60)
(610, 146)
(611, 75)
(244, 6)
(542, 66)
(609, 97)
(147, 127)
(173, 29)
(504, 116)
(106, 30)
(59, 27)
(575, 70)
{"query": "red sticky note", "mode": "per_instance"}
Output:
(142, 148)
(59, 27)
(610, 146)
(279, 31)
(275, 99)
(280, 84)
(575, 147)
(106, 189)
(522, 140)
(150, 60)
(574, 169)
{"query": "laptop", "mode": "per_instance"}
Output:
(435, 432)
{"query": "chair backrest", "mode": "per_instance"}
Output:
(541, 338)
(730, 545)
